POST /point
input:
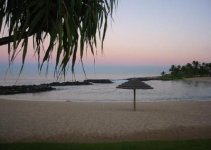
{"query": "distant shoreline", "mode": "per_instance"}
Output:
(208, 79)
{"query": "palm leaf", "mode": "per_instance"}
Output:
(68, 23)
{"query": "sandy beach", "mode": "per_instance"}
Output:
(26, 121)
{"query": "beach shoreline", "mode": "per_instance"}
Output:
(34, 121)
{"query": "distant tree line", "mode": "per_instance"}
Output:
(194, 69)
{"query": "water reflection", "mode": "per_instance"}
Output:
(179, 90)
(197, 83)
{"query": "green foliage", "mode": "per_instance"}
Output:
(194, 69)
(168, 77)
(144, 145)
(70, 26)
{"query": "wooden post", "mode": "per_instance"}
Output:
(134, 102)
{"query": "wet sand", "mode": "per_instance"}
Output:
(33, 121)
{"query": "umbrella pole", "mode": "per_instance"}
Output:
(134, 102)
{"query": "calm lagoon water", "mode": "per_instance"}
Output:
(163, 91)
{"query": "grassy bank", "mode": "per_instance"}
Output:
(143, 145)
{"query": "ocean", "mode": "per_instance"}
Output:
(163, 90)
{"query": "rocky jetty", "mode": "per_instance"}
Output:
(147, 78)
(104, 81)
(69, 83)
(16, 89)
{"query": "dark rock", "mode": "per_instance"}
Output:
(147, 78)
(98, 81)
(16, 89)
(69, 83)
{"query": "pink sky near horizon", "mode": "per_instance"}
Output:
(153, 33)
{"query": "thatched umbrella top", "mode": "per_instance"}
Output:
(134, 84)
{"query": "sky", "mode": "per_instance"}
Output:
(159, 32)
(153, 32)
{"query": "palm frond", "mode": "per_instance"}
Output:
(67, 23)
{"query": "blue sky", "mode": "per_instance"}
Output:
(153, 33)
(165, 31)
